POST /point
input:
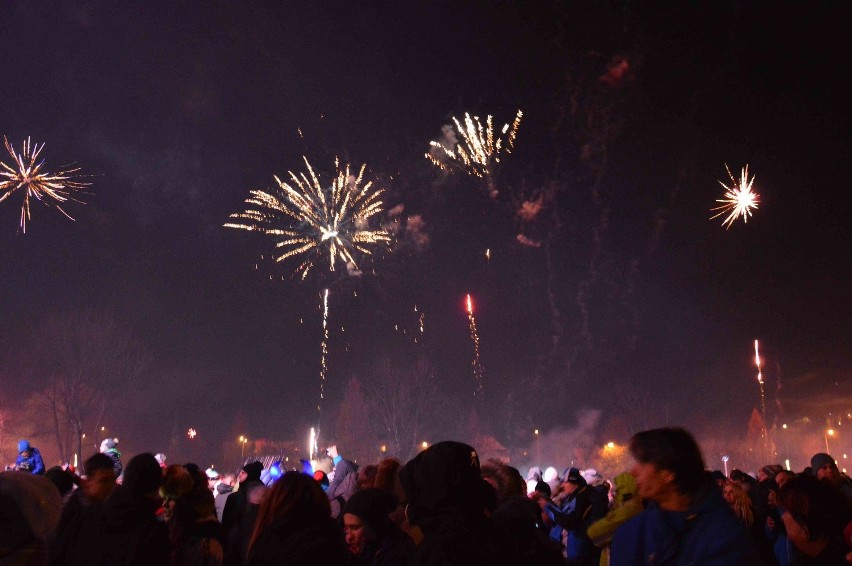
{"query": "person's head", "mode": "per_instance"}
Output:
(161, 459)
(783, 477)
(100, 477)
(668, 463)
(365, 518)
(739, 502)
(506, 480)
(294, 497)
(444, 479)
(825, 468)
(571, 480)
(387, 473)
(177, 484)
(142, 475)
(251, 471)
(63, 480)
(212, 477)
(367, 476)
(108, 444)
(24, 448)
(229, 479)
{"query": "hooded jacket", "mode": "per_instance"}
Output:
(32, 463)
(707, 533)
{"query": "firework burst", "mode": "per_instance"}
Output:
(29, 176)
(479, 149)
(476, 363)
(319, 224)
(738, 200)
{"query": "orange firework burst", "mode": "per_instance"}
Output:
(29, 176)
(739, 199)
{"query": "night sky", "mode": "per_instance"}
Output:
(178, 109)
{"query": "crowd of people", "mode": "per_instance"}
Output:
(442, 507)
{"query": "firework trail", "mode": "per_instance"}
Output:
(29, 176)
(738, 200)
(757, 362)
(478, 370)
(329, 225)
(479, 150)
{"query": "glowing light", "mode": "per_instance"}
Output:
(324, 347)
(29, 177)
(476, 363)
(191, 433)
(757, 362)
(478, 151)
(738, 200)
(610, 445)
(317, 223)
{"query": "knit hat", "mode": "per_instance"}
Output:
(142, 475)
(542, 487)
(372, 506)
(821, 459)
(592, 476)
(572, 475)
(107, 444)
(23, 446)
(253, 470)
(211, 473)
(161, 459)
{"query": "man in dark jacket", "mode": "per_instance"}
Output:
(581, 506)
(29, 458)
(240, 512)
(686, 521)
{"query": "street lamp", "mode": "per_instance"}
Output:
(243, 441)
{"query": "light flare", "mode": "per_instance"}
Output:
(739, 199)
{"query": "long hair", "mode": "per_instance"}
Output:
(386, 474)
(741, 505)
(295, 496)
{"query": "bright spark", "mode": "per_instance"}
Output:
(738, 200)
(479, 149)
(316, 223)
(28, 176)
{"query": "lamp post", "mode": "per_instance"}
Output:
(243, 441)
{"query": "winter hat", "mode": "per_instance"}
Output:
(445, 476)
(253, 470)
(543, 487)
(534, 474)
(107, 444)
(572, 475)
(592, 477)
(372, 505)
(821, 459)
(61, 479)
(770, 471)
(161, 459)
(23, 446)
(211, 473)
(142, 475)
(625, 487)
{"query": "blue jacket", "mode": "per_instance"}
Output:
(33, 463)
(707, 533)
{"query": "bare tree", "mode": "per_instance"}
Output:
(83, 355)
(405, 406)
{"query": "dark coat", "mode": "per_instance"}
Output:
(130, 534)
(297, 540)
(238, 522)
